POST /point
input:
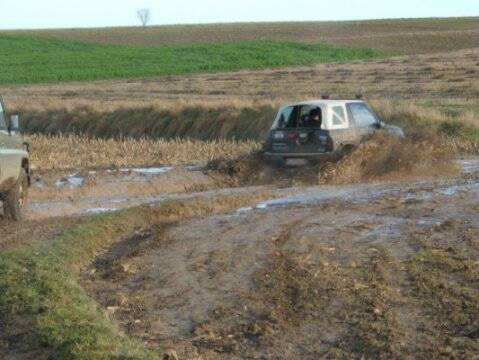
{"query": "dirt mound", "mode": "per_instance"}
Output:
(386, 157)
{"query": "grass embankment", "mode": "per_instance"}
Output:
(457, 128)
(39, 287)
(25, 59)
(196, 122)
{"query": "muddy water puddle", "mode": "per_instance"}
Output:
(98, 191)
(363, 193)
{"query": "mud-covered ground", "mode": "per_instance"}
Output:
(353, 271)
(377, 269)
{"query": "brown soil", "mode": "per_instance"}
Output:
(390, 276)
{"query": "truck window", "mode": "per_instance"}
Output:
(3, 124)
(362, 115)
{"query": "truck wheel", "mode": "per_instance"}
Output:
(16, 199)
(279, 162)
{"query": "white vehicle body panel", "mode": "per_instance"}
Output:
(328, 108)
(11, 154)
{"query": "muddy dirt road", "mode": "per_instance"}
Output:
(377, 270)
(372, 271)
(88, 192)
(59, 199)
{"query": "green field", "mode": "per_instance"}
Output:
(25, 59)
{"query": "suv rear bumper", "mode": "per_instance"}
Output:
(275, 157)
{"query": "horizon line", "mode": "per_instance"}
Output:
(242, 22)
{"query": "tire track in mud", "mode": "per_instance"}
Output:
(299, 293)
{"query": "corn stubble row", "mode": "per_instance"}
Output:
(70, 152)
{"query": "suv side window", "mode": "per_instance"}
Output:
(3, 123)
(339, 116)
(362, 115)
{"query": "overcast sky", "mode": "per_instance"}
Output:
(22, 14)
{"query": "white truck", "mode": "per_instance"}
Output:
(14, 166)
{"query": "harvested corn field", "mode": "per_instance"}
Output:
(79, 152)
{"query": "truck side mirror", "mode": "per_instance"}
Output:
(14, 124)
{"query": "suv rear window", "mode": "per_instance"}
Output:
(362, 115)
(310, 116)
(3, 124)
(288, 118)
(293, 117)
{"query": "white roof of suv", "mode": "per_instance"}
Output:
(323, 102)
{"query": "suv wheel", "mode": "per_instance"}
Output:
(16, 199)
(347, 149)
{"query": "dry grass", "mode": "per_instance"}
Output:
(455, 125)
(465, 111)
(67, 152)
(401, 36)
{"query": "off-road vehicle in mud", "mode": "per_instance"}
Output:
(14, 166)
(314, 130)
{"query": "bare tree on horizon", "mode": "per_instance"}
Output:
(144, 15)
